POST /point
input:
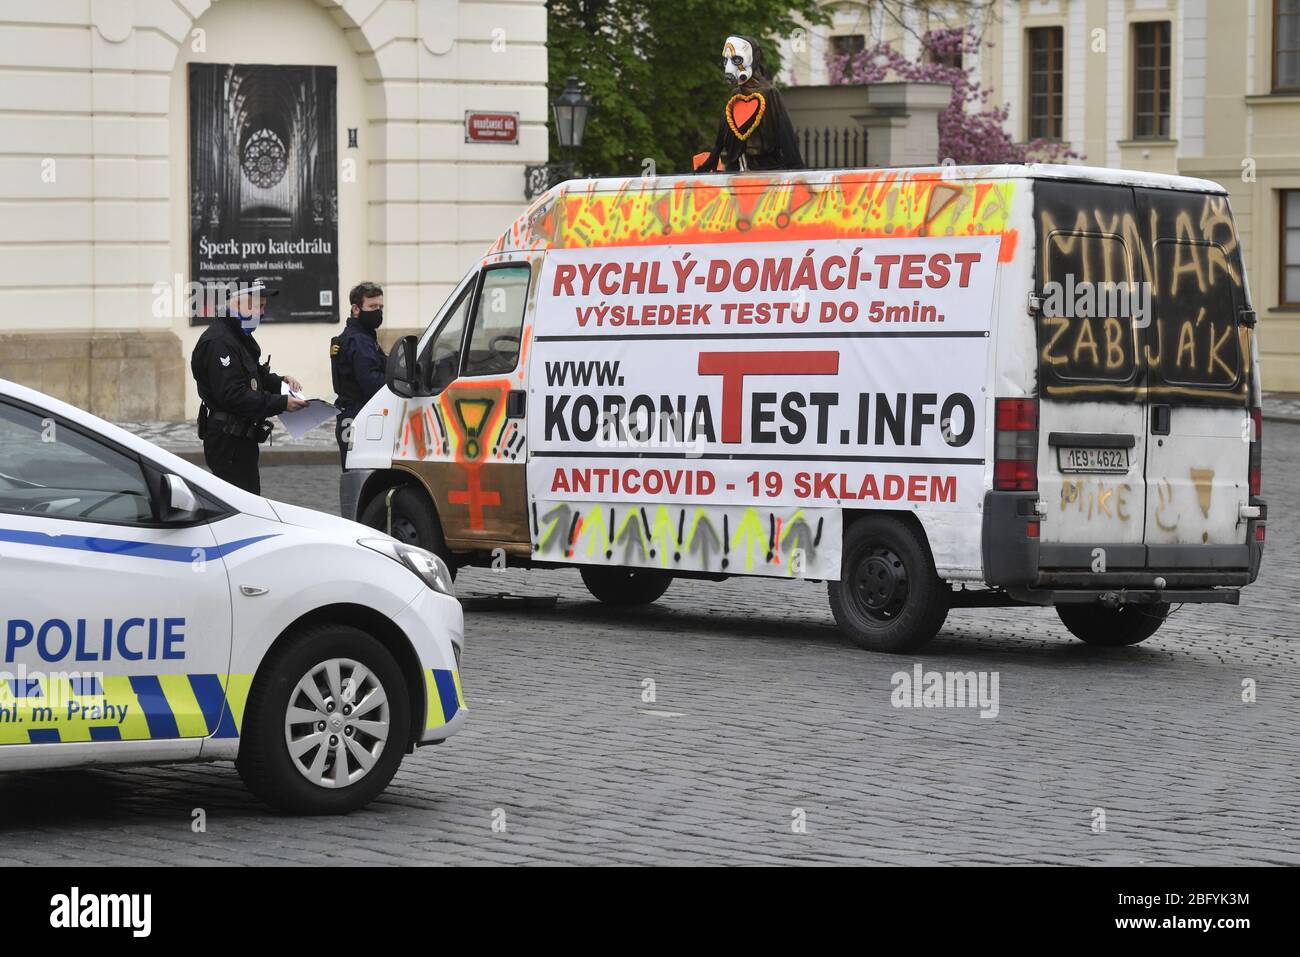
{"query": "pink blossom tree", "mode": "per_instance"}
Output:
(970, 131)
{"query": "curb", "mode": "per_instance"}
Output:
(1279, 417)
(275, 456)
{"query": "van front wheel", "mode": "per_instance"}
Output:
(1113, 627)
(889, 597)
(625, 586)
(407, 515)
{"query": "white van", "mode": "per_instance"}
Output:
(931, 388)
(151, 612)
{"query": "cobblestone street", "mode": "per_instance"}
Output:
(763, 715)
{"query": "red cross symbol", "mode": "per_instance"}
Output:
(475, 497)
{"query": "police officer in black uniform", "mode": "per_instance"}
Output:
(239, 393)
(357, 362)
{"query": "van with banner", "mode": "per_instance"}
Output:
(929, 388)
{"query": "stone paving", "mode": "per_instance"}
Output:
(764, 717)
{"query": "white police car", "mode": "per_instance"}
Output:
(150, 612)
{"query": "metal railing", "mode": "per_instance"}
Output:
(828, 148)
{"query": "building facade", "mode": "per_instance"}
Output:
(368, 156)
(1207, 88)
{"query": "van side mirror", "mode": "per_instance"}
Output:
(402, 375)
(179, 503)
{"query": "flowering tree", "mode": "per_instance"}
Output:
(970, 131)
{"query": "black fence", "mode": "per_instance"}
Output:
(833, 149)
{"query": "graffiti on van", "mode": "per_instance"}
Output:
(863, 204)
(799, 543)
(469, 454)
(1178, 248)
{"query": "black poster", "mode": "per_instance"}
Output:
(264, 187)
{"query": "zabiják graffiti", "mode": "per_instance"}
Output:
(1179, 246)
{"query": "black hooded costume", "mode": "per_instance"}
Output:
(755, 132)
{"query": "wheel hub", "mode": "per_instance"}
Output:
(880, 583)
(403, 529)
(337, 723)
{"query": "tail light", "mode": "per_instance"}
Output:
(1015, 444)
(1256, 450)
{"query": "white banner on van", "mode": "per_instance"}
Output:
(825, 374)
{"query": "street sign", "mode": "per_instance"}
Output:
(491, 127)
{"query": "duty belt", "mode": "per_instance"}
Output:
(240, 427)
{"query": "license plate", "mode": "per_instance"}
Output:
(1085, 459)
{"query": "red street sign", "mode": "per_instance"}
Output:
(491, 127)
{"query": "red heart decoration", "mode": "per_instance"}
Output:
(743, 111)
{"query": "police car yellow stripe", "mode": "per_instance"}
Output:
(443, 697)
(50, 709)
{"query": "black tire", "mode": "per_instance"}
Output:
(1113, 627)
(264, 760)
(625, 586)
(889, 597)
(413, 522)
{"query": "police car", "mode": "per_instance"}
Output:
(150, 612)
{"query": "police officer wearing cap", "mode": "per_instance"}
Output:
(357, 361)
(239, 392)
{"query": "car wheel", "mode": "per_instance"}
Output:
(889, 597)
(1113, 627)
(327, 721)
(625, 586)
(406, 514)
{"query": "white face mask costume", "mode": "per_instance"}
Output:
(737, 60)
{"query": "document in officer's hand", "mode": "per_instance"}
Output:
(299, 423)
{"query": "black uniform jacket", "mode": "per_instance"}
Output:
(230, 379)
(362, 368)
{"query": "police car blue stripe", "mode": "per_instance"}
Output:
(44, 735)
(84, 686)
(127, 547)
(212, 701)
(107, 732)
(33, 689)
(447, 692)
(157, 712)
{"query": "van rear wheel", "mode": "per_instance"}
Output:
(409, 517)
(625, 586)
(1113, 627)
(889, 597)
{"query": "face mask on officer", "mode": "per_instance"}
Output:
(248, 310)
(371, 318)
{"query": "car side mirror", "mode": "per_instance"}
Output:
(179, 503)
(402, 375)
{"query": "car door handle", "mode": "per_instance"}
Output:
(1161, 419)
(515, 404)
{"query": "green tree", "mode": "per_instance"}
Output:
(654, 70)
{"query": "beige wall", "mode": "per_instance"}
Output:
(93, 164)
(1226, 125)
(242, 31)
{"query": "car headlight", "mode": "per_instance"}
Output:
(427, 566)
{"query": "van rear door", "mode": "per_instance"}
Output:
(1092, 385)
(1198, 420)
